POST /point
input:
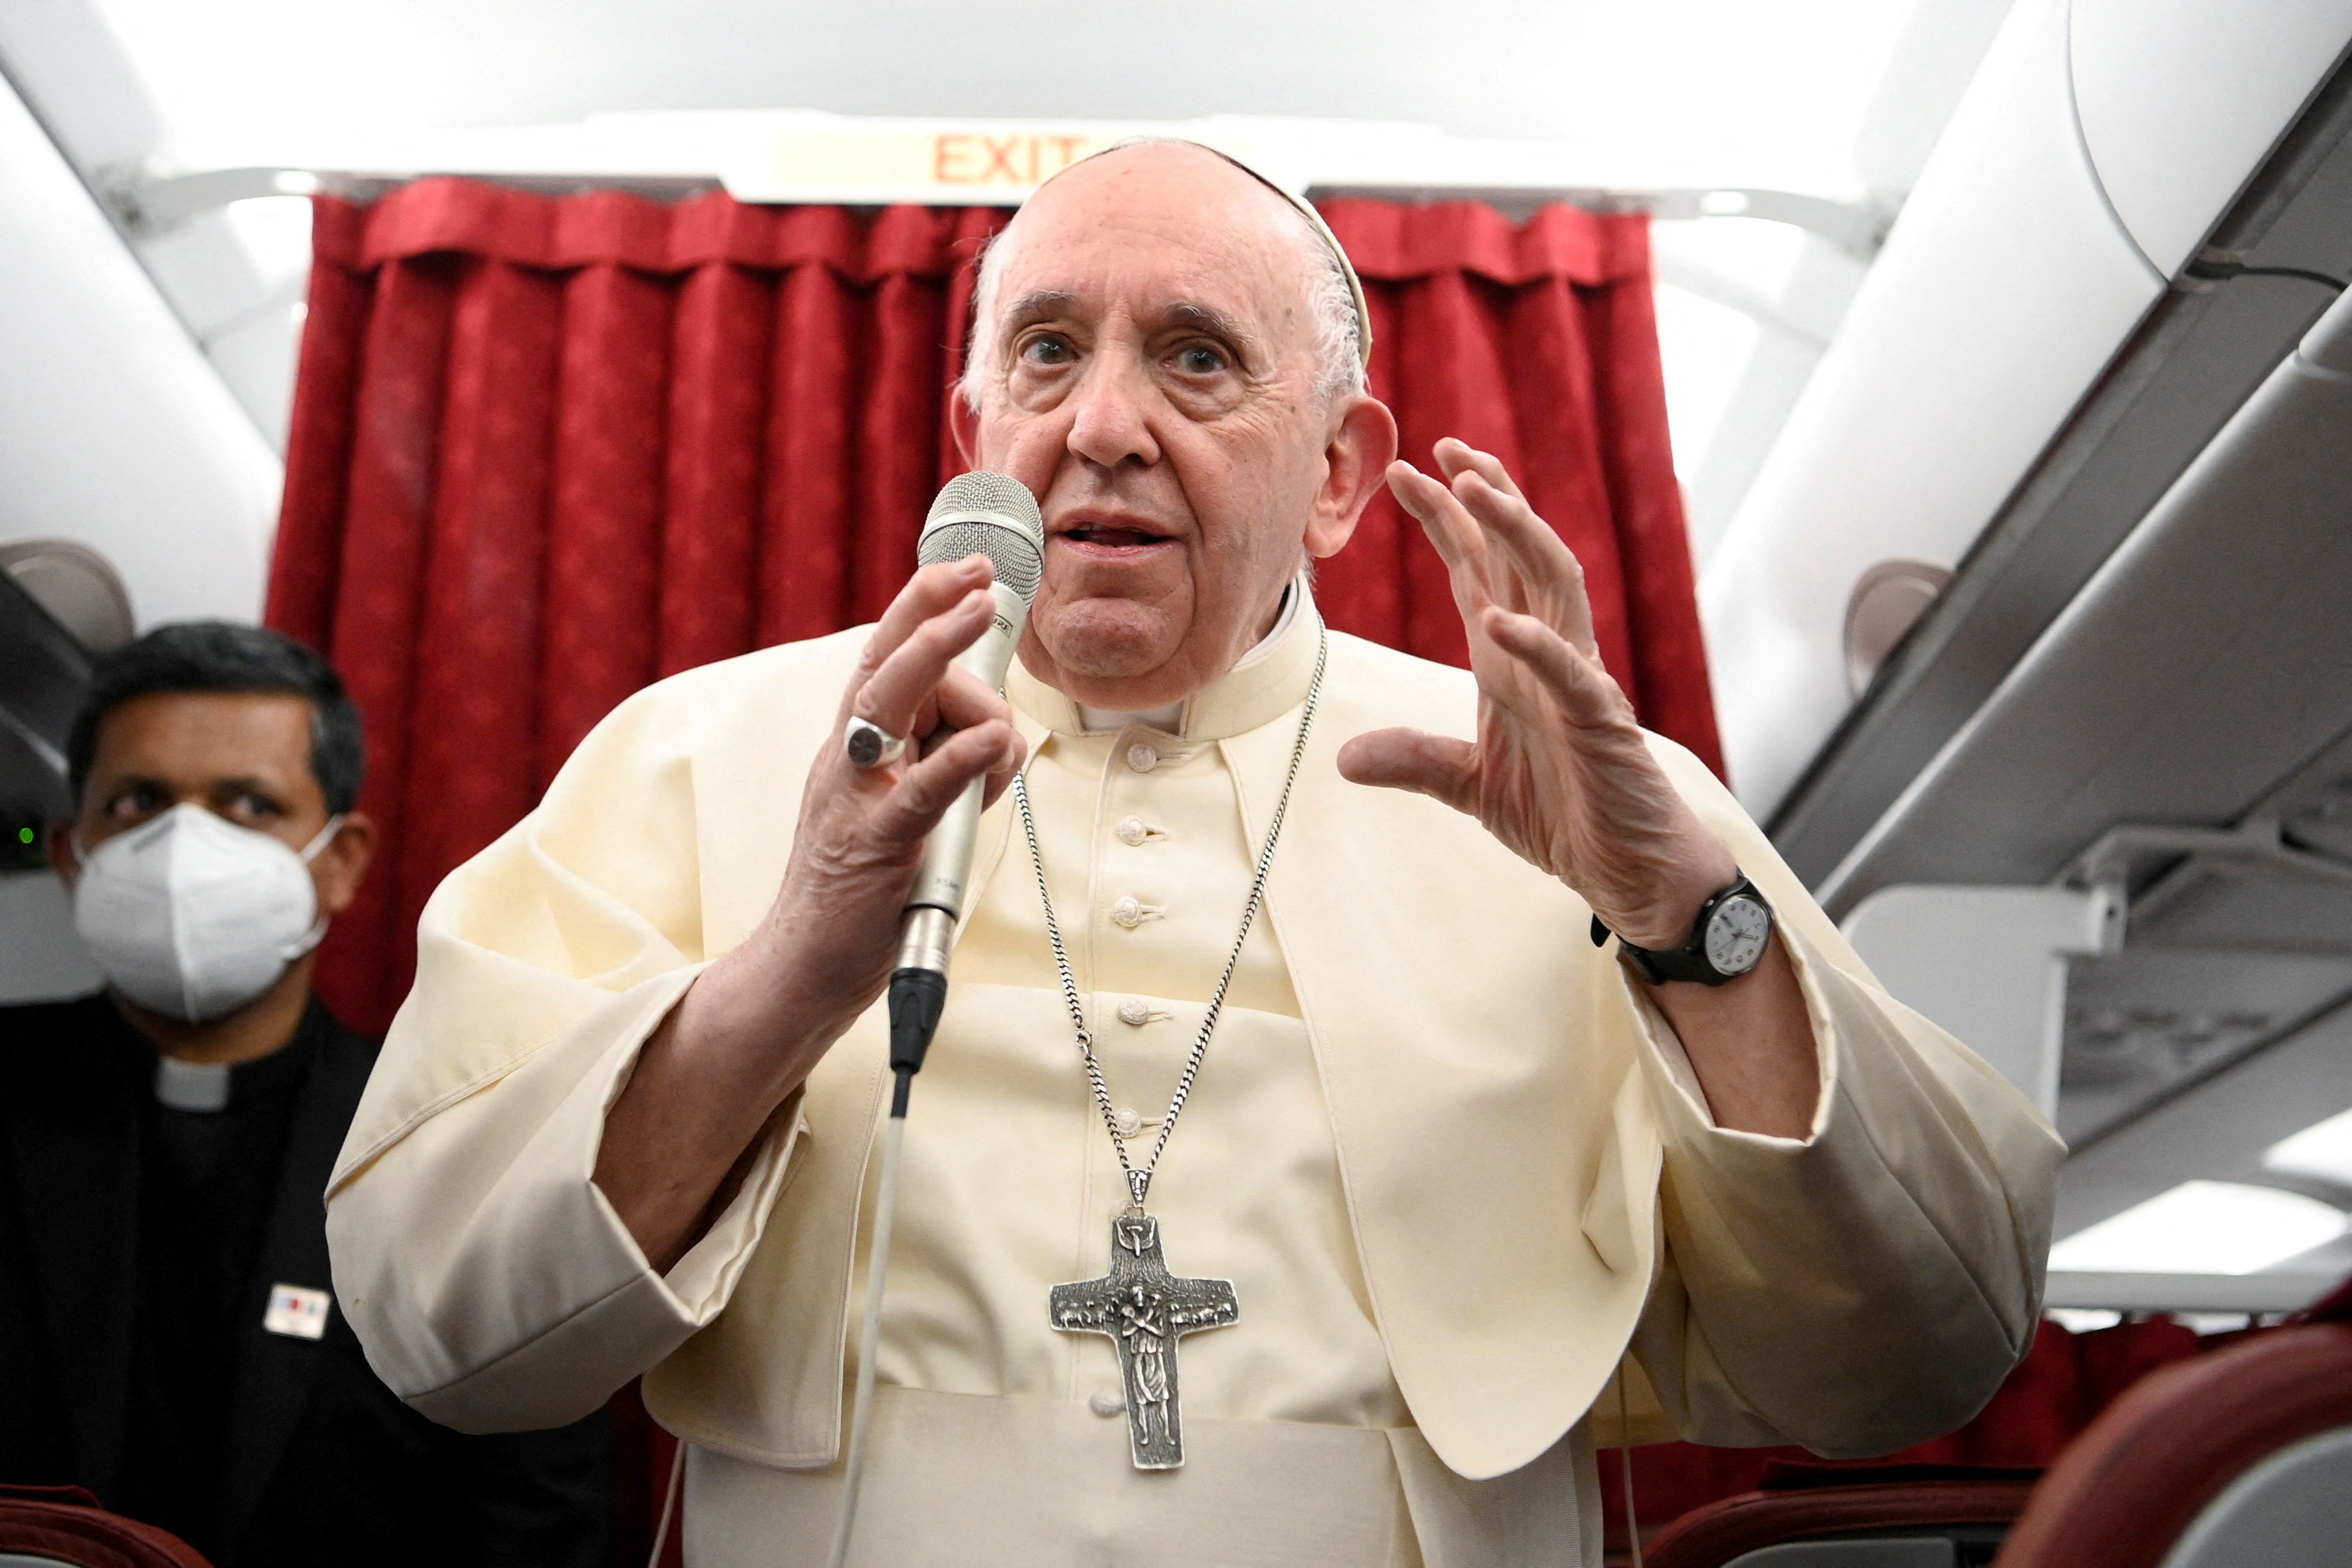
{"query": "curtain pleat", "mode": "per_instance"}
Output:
(379, 545)
(805, 555)
(473, 719)
(712, 475)
(601, 606)
(900, 419)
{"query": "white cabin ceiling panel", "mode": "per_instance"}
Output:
(115, 432)
(2003, 290)
(2189, 366)
(1675, 91)
(2181, 99)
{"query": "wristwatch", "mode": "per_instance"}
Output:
(1726, 941)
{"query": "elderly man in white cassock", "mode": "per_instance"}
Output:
(1484, 1194)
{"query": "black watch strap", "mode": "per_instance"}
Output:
(1690, 961)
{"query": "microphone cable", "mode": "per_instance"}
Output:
(979, 513)
(916, 997)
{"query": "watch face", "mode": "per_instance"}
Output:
(1736, 934)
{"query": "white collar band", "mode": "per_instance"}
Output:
(191, 1085)
(1268, 682)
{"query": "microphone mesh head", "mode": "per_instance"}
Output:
(993, 515)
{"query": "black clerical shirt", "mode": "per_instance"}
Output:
(205, 1181)
(140, 1245)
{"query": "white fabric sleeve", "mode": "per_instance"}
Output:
(1864, 1288)
(529, 1303)
(1867, 1287)
(491, 1283)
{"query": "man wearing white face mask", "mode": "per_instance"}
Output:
(167, 1335)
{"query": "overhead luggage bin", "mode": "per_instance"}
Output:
(2002, 296)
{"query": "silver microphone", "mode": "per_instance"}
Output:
(977, 514)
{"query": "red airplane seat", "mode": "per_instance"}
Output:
(1851, 1516)
(64, 1525)
(2243, 1457)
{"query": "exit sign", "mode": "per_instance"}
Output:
(936, 162)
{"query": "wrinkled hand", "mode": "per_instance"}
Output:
(861, 831)
(752, 1025)
(1559, 771)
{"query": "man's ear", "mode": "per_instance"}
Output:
(1355, 466)
(342, 862)
(964, 423)
(62, 858)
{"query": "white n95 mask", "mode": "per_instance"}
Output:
(191, 916)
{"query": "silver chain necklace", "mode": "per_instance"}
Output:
(1142, 1305)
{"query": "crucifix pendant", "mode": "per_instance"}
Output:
(1145, 1310)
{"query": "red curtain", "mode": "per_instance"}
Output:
(548, 449)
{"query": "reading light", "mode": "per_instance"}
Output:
(2323, 1150)
(2203, 1228)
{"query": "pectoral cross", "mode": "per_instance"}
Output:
(1145, 1310)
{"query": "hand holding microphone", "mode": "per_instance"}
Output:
(993, 516)
(869, 841)
(920, 723)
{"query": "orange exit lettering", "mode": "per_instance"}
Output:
(960, 158)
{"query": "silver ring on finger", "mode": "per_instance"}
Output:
(869, 745)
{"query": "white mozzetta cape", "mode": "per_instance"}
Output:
(1532, 1178)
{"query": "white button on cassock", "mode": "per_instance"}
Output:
(1131, 831)
(1135, 1010)
(1142, 758)
(1129, 1120)
(1128, 914)
(1105, 1403)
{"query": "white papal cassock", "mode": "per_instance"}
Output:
(1453, 1162)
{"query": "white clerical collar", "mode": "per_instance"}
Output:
(191, 1085)
(1170, 717)
(1265, 683)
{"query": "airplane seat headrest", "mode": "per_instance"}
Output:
(2243, 1455)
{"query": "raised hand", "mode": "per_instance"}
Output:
(1559, 771)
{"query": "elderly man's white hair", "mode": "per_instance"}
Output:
(1333, 301)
